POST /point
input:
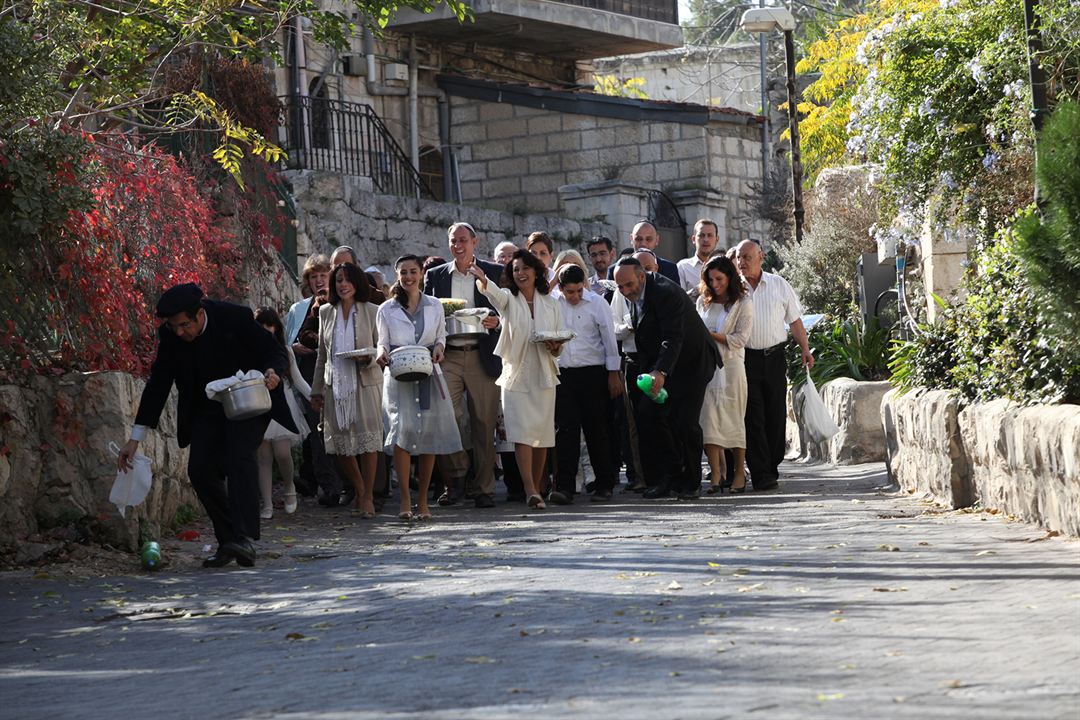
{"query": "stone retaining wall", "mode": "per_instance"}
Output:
(336, 209)
(56, 470)
(1024, 461)
(855, 407)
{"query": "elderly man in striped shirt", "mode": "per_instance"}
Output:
(775, 304)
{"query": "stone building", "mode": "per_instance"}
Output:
(492, 115)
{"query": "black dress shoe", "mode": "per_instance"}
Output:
(764, 485)
(484, 501)
(600, 496)
(655, 493)
(221, 558)
(590, 487)
(560, 498)
(330, 499)
(637, 487)
(243, 551)
(689, 495)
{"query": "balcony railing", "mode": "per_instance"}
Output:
(666, 11)
(348, 138)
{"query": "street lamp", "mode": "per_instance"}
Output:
(770, 19)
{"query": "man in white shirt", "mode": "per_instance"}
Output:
(705, 238)
(588, 379)
(775, 305)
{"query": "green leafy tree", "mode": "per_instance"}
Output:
(100, 64)
(1050, 243)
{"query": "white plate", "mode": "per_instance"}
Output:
(554, 336)
(362, 352)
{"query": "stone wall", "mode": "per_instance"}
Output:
(338, 209)
(1024, 461)
(516, 158)
(855, 407)
(56, 470)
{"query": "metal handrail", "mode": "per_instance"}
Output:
(350, 138)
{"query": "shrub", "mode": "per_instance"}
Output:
(842, 348)
(823, 269)
(994, 343)
(80, 292)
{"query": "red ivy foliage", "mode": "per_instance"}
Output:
(86, 297)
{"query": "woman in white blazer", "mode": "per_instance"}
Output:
(728, 314)
(422, 420)
(529, 372)
(348, 391)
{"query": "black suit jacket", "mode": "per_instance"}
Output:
(235, 342)
(671, 337)
(438, 283)
(667, 268)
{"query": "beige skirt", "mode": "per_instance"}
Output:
(365, 434)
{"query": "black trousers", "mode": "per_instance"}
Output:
(318, 469)
(512, 476)
(581, 404)
(766, 414)
(225, 474)
(671, 439)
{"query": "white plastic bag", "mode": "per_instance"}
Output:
(816, 418)
(131, 487)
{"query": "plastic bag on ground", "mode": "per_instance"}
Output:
(130, 487)
(817, 421)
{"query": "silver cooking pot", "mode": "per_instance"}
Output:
(466, 324)
(246, 399)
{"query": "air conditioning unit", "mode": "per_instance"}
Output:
(353, 65)
(396, 72)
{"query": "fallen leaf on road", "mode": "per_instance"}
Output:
(294, 636)
(953, 683)
(674, 585)
(751, 588)
(479, 660)
(885, 589)
(715, 565)
(633, 639)
(838, 619)
(822, 697)
(981, 553)
(741, 571)
(888, 548)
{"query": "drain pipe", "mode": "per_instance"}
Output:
(302, 89)
(413, 93)
(414, 110)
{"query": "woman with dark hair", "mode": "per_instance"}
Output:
(422, 420)
(278, 442)
(529, 373)
(728, 314)
(347, 389)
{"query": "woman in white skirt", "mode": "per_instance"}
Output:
(347, 389)
(278, 442)
(728, 314)
(529, 372)
(421, 415)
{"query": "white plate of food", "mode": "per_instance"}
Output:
(553, 336)
(361, 353)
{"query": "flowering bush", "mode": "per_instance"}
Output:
(79, 293)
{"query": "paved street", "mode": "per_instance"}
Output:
(830, 599)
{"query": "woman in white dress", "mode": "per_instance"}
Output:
(530, 372)
(278, 442)
(421, 414)
(728, 314)
(347, 391)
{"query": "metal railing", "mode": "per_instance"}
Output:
(349, 138)
(666, 11)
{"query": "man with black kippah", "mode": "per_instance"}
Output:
(201, 341)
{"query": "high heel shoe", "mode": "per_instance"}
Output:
(713, 489)
(738, 490)
(536, 502)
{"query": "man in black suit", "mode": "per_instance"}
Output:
(645, 237)
(673, 347)
(201, 341)
(470, 364)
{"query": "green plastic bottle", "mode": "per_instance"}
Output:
(151, 555)
(644, 383)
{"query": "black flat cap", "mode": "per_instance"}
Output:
(179, 298)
